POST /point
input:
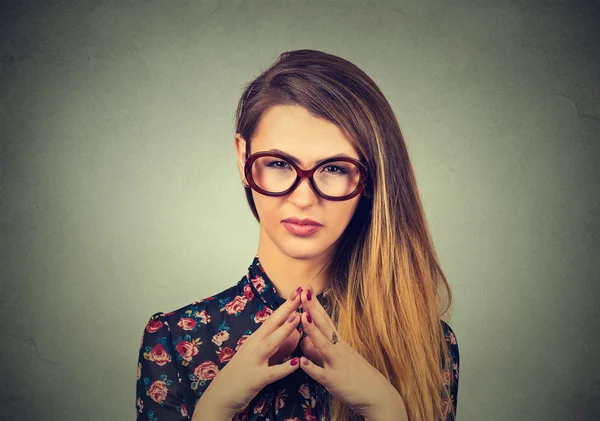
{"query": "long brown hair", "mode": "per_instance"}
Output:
(385, 258)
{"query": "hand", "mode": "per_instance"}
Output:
(249, 370)
(287, 347)
(339, 368)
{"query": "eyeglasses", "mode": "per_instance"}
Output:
(337, 179)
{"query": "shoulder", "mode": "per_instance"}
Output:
(195, 314)
(451, 342)
(449, 333)
(450, 372)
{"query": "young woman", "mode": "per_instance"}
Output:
(338, 315)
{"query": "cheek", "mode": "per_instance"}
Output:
(267, 208)
(338, 216)
(345, 212)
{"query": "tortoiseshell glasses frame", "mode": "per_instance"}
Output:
(301, 173)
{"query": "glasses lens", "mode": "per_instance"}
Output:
(335, 178)
(273, 174)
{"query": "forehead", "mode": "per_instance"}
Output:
(292, 129)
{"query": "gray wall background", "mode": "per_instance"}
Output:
(120, 195)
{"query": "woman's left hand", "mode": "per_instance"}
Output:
(342, 370)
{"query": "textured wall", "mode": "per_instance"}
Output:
(120, 194)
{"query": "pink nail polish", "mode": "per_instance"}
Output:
(294, 361)
(308, 295)
(308, 317)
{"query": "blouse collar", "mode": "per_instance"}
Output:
(265, 290)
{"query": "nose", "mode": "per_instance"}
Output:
(304, 195)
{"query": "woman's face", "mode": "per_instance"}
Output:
(294, 131)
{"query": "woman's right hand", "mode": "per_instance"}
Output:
(248, 371)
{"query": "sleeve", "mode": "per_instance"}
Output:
(451, 373)
(159, 392)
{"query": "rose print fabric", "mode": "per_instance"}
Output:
(183, 350)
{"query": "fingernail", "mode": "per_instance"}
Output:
(299, 289)
(308, 317)
(308, 295)
(292, 317)
(294, 361)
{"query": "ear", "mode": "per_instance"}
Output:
(240, 147)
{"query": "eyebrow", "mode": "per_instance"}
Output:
(297, 161)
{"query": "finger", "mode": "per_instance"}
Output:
(286, 348)
(277, 318)
(313, 370)
(269, 346)
(279, 371)
(317, 312)
(320, 342)
(309, 351)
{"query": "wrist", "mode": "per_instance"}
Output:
(392, 409)
(209, 408)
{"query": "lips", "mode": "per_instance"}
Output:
(301, 230)
(305, 221)
(301, 227)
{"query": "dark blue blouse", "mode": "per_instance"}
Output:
(183, 350)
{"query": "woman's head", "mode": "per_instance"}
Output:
(387, 288)
(312, 105)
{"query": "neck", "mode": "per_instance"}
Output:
(288, 273)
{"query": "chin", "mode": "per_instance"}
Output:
(301, 248)
(301, 253)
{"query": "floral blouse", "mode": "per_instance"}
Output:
(183, 350)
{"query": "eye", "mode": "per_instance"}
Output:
(334, 169)
(277, 164)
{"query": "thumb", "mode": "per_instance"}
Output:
(279, 371)
(312, 369)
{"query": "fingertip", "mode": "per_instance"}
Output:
(306, 316)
